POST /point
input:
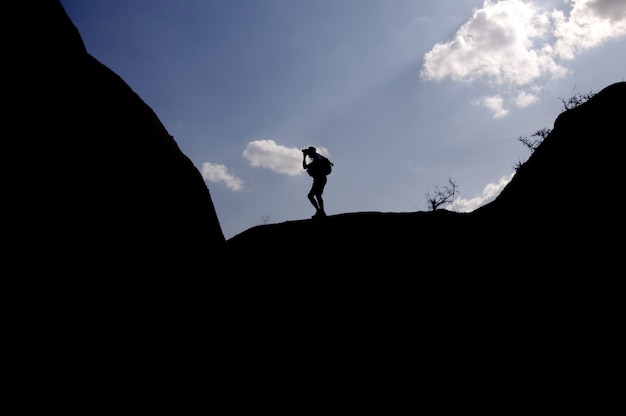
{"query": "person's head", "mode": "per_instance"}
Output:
(311, 150)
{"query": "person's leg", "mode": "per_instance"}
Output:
(313, 201)
(320, 203)
(311, 195)
(320, 191)
(315, 196)
(321, 184)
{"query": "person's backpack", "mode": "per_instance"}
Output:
(322, 166)
(327, 165)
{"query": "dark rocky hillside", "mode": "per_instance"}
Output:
(558, 213)
(126, 279)
(100, 187)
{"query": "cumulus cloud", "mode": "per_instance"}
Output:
(489, 193)
(501, 42)
(588, 24)
(524, 99)
(495, 103)
(514, 45)
(280, 159)
(219, 174)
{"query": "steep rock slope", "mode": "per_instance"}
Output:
(99, 184)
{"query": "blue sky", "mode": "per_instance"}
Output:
(400, 94)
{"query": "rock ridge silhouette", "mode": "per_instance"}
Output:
(532, 220)
(119, 194)
(100, 186)
(123, 270)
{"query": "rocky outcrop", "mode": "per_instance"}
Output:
(557, 211)
(561, 207)
(99, 184)
(577, 165)
(97, 190)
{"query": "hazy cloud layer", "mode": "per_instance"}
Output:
(515, 45)
(219, 174)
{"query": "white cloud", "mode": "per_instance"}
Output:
(263, 154)
(280, 159)
(610, 9)
(495, 103)
(514, 46)
(501, 43)
(589, 24)
(219, 173)
(489, 193)
(524, 99)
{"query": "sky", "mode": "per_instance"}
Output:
(401, 95)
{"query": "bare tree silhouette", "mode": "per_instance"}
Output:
(441, 196)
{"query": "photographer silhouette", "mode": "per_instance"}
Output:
(315, 170)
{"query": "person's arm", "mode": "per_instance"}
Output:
(304, 164)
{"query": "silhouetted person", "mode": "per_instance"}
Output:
(315, 170)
